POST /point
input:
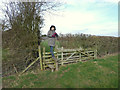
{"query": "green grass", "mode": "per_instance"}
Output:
(96, 73)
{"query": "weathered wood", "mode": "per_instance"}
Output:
(62, 56)
(51, 66)
(15, 68)
(70, 56)
(57, 56)
(49, 52)
(76, 56)
(64, 53)
(45, 66)
(80, 56)
(30, 65)
(49, 62)
(95, 54)
(68, 50)
(48, 59)
(43, 56)
(47, 56)
(67, 56)
(56, 62)
(40, 57)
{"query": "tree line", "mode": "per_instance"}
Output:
(103, 44)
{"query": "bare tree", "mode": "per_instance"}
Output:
(25, 19)
(28, 15)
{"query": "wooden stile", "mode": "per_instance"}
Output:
(65, 56)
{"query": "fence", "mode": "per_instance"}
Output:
(67, 56)
(64, 56)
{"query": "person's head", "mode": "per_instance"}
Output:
(52, 27)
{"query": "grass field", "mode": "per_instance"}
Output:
(96, 73)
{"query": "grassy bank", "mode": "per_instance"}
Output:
(96, 73)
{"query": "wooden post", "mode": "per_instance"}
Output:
(56, 61)
(71, 56)
(95, 54)
(44, 57)
(56, 50)
(40, 57)
(15, 68)
(62, 56)
(80, 53)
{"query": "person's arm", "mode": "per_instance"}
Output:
(49, 35)
(56, 35)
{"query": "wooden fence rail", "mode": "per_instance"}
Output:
(67, 56)
(64, 56)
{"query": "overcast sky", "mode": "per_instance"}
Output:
(95, 17)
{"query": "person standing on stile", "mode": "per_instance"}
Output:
(51, 40)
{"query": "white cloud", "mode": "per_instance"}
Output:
(74, 2)
(81, 22)
(84, 21)
(103, 28)
(106, 29)
(111, 1)
(70, 20)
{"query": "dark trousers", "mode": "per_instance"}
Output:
(51, 50)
